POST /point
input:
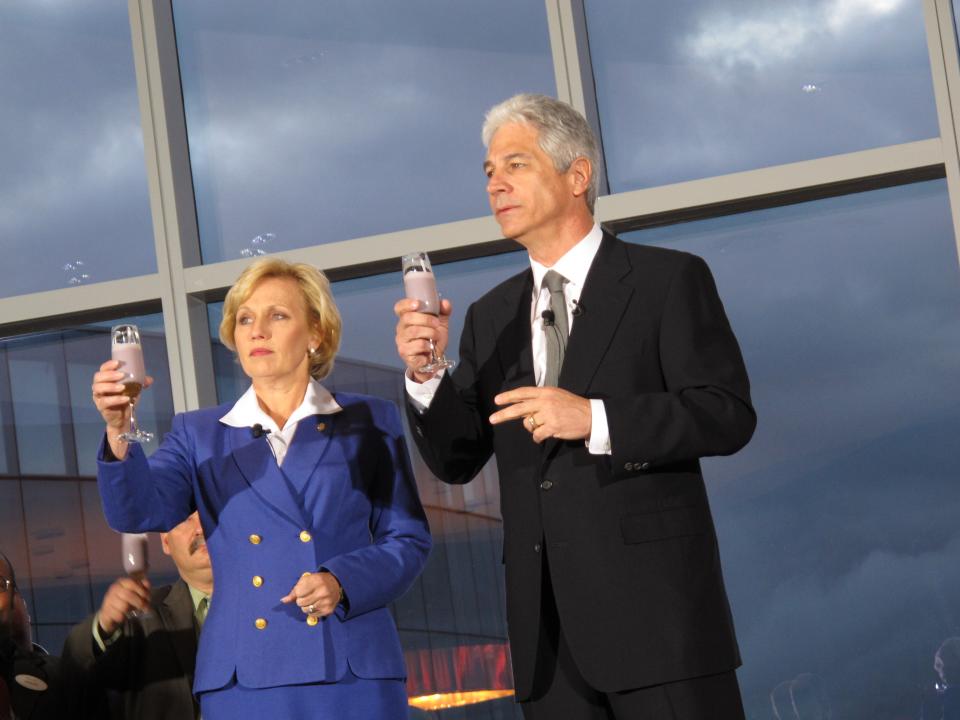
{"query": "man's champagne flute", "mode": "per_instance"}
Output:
(127, 349)
(419, 283)
(135, 548)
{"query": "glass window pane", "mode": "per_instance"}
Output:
(56, 427)
(73, 193)
(311, 122)
(838, 522)
(707, 87)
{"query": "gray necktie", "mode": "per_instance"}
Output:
(555, 332)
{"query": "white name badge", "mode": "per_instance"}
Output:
(31, 682)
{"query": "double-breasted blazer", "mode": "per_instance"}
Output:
(344, 500)
(629, 536)
(150, 666)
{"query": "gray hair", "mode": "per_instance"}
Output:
(562, 133)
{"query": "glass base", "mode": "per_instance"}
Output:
(438, 364)
(137, 437)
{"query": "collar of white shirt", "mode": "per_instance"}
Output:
(246, 412)
(575, 264)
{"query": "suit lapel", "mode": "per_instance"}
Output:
(259, 468)
(177, 616)
(514, 343)
(310, 442)
(604, 300)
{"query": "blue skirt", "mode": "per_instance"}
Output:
(352, 697)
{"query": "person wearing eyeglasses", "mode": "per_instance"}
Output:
(30, 681)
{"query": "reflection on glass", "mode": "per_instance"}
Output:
(73, 190)
(311, 122)
(710, 88)
(838, 522)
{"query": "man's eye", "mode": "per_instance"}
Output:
(517, 164)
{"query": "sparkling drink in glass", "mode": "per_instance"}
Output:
(126, 348)
(136, 553)
(419, 283)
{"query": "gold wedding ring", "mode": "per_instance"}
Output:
(533, 423)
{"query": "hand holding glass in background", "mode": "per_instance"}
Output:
(419, 283)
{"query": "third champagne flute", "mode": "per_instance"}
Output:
(135, 547)
(126, 348)
(419, 283)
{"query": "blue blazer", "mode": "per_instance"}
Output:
(345, 501)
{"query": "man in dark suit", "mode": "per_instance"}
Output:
(140, 648)
(599, 378)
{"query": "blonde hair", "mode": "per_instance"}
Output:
(323, 315)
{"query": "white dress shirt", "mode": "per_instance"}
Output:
(574, 266)
(246, 412)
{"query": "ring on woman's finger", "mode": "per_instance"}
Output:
(311, 609)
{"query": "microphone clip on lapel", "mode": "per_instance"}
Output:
(259, 430)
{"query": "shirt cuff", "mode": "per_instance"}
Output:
(599, 440)
(421, 394)
(100, 642)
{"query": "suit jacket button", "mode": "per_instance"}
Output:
(255, 539)
(312, 620)
(546, 485)
(536, 548)
(305, 536)
(260, 623)
(628, 466)
(257, 581)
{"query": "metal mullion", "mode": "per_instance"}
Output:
(24, 313)
(778, 185)
(783, 184)
(945, 71)
(172, 202)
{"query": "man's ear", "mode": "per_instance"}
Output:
(164, 544)
(580, 174)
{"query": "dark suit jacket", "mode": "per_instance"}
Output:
(150, 665)
(632, 550)
(49, 703)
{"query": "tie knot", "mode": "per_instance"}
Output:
(554, 281)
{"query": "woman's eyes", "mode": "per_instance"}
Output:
(247, 319)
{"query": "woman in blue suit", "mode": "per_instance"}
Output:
(308, 505)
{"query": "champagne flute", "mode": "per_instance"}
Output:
(126, 348)
(136, 551)
(419, 283)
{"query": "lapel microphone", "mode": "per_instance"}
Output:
(577, 308)
(259, 431)
(548, 318)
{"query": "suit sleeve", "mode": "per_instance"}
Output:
(453, 434)
(88, 673)
(155, 495)
(381, 572)
(705, 408)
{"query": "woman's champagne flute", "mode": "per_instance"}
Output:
(126, 348)
(419, 283)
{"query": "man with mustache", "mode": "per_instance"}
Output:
(140, 647)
